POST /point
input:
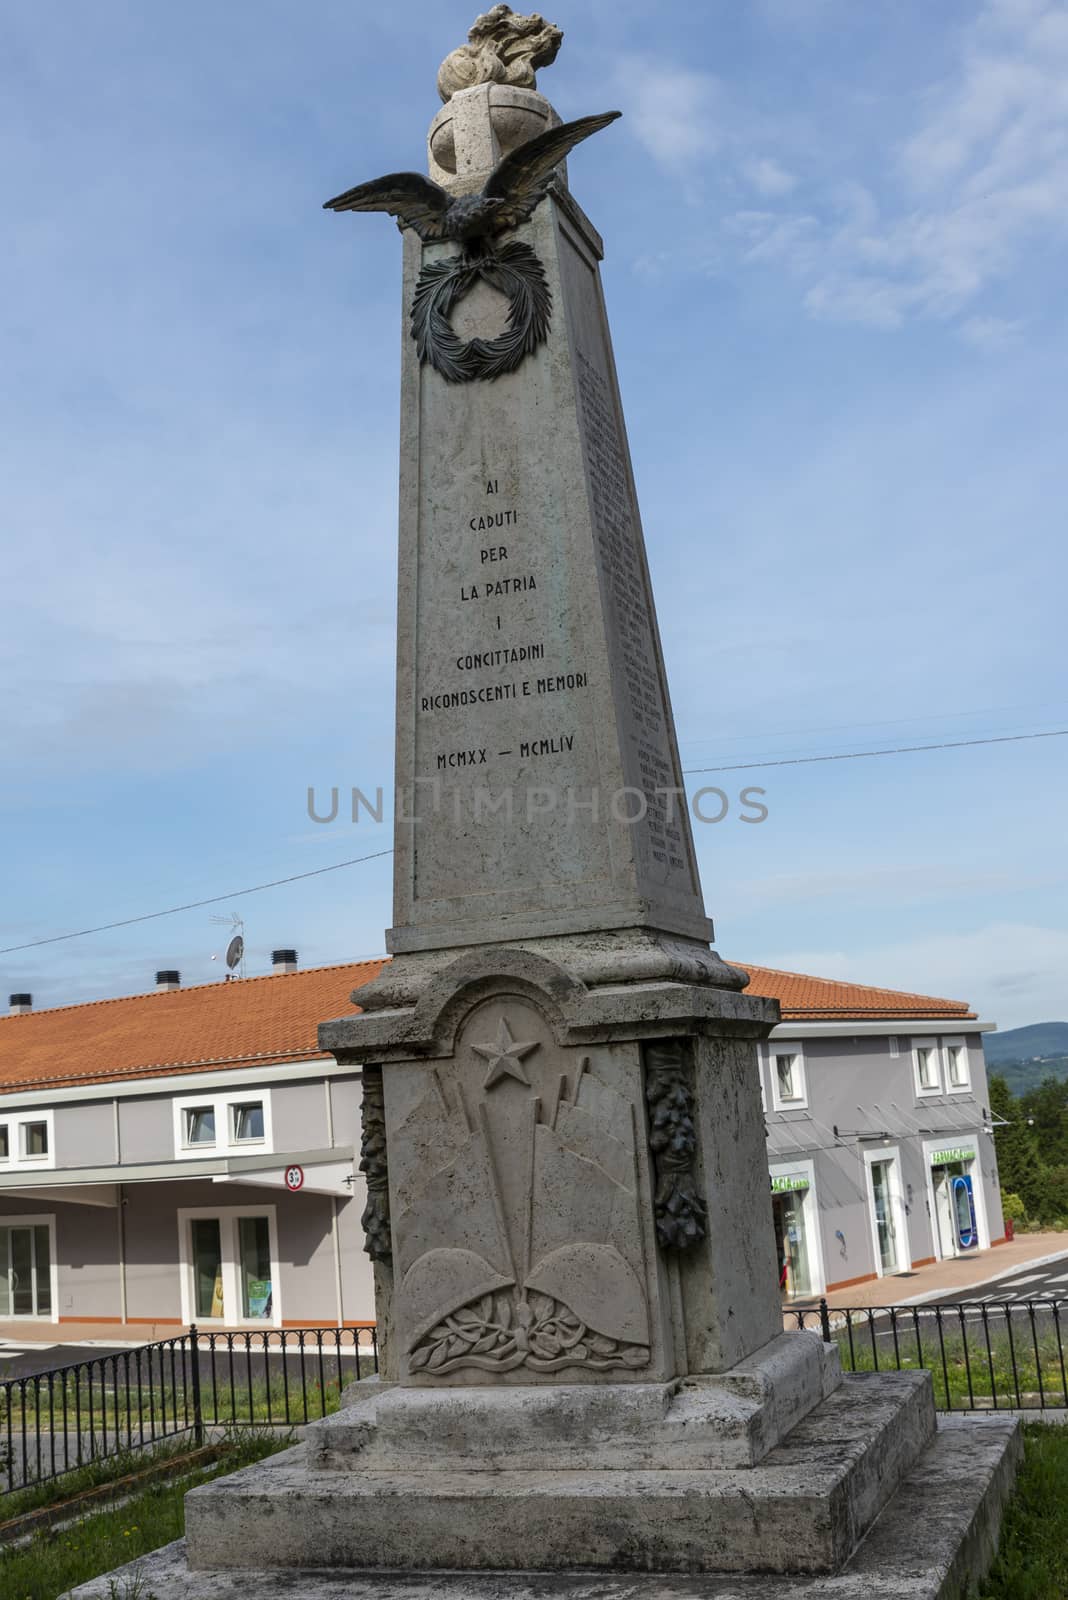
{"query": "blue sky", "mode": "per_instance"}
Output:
(835, 264)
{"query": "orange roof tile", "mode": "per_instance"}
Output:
(807, 999)
(265, 1021)
(211, 1026)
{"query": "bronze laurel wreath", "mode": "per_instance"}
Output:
(515, 270)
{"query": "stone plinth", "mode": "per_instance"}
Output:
(933, 1540)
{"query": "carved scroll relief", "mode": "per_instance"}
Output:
(681, 1213)
(378, 1243)
(517, 1232)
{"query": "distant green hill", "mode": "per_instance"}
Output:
(1026, 1057)
(1022, 1076)
(1023, 1044)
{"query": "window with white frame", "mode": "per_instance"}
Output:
(27, 1141)
(230, 1269)
(787, 1077)
(222, 1124)
(958, 1075)
(925, 1058)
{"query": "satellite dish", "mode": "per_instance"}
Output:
(234, 951)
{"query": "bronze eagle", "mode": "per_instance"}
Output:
(517, 184)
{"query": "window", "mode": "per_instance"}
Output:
(34, 1141)
(928, 1080)
(222, 1125)
(26, 1141)
(895, 1047)
(200, 1125)
(788, 1078)
(229, 1258)
(957, 1074)
(247, 1122)
(786, 1075)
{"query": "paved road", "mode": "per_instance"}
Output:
(1027, 1283)
(24, 1360)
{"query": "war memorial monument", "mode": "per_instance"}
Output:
(585, 1385)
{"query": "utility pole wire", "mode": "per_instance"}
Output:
(317, 872)
(863, 755)
(193, 905)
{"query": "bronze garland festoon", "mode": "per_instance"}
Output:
(378, 1239)
(680, 1212)
(515, 270)
(513, 190)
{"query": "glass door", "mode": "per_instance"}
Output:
(254, 1243)
(25, 1270)
(208, 1295)
(885, 1227)
(788, 1211)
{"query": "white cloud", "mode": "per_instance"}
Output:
(981, 180)
(767, 176)
(1011, 973)
(674, 111)
(896, 885)
(992, 335)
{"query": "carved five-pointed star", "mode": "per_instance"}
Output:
(505, 1056)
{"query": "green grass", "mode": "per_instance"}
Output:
(94, 1474)
(1032, 1559)
(127, 1414)
(965, 1373)
(57, 1560)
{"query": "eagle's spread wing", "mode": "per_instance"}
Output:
(522, 179)
(412, 199)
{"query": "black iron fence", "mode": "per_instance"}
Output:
(982, 1356)
(129, 1400)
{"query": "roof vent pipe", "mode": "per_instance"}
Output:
(284, 960)
(20, 1004)
(168, 980)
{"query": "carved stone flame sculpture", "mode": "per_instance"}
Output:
(502, 47)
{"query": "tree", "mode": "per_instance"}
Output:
(1020, 1165)
(1048, 1106)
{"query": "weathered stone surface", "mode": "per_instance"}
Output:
(803, 1509)
(933, 1541)
(502, 47)
(732, 1420)
(524, 1238)
(530, 673)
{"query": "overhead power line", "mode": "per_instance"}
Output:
(865, 755)
(193, 905)
(376, 855)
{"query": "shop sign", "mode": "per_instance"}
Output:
(939, 1158)
(789, 1182)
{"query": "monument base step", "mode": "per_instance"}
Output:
(803, 1509)
(728, 1419)
(935, 1540)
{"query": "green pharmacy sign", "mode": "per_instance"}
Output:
(789, 1182)
(939, 1158)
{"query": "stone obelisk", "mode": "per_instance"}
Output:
(583, 1363)
(568, 1113)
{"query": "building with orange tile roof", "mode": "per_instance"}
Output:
(190, 1154)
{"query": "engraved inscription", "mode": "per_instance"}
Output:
(618, 541)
